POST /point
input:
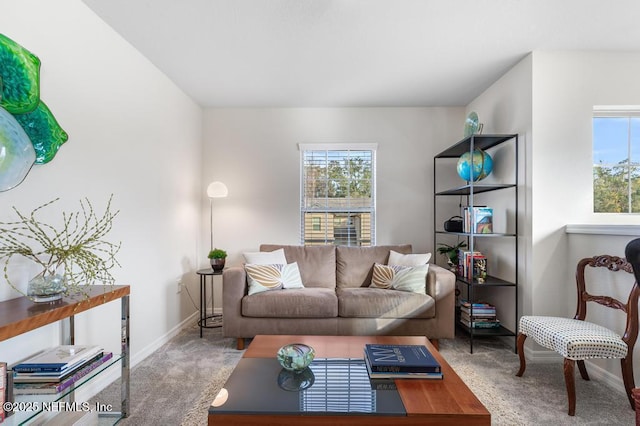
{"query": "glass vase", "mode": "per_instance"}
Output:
(47, 288)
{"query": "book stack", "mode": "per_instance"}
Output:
(478, 220)
(472, 266)
(56, 369)
(478, 315)
(401, 362)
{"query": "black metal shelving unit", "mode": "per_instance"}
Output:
(467, 193)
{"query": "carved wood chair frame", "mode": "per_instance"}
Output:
(613, 263)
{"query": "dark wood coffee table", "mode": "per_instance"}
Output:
(426, 402)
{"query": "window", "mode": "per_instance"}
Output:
(616, 161)
(337, 188)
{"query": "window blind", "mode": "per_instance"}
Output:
(337, 193)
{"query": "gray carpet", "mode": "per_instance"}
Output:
(176, 384)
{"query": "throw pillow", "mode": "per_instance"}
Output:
(403, 278)
(273, 277)
(275, 257)
(400, 259)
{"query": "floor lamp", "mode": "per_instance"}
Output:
(215, 190)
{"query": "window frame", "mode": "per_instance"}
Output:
(371, 210)
(624, 112)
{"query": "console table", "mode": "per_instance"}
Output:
(21, 315)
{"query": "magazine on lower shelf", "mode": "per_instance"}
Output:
(58, 359)
(56, 387)
(52, 377)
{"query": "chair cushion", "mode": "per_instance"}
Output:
(573, 339)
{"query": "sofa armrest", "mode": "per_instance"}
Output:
(440, 281)
(441, 285)
(234, 288)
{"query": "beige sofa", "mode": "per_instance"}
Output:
(337, 299)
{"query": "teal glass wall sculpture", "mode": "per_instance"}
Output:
(20, 71)
(29, 133)
(44, 131)
(16, 152)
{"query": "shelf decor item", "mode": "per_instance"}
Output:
(472, 125)
(295, 356)
(73, 256)
(474, 167)
(451, 253)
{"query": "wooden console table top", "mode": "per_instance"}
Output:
(21, 315)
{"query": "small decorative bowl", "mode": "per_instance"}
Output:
(296, 356)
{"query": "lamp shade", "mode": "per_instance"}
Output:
(217, 190)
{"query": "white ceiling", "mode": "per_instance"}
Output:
(350, 53)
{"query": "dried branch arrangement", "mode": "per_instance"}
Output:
(76, 248)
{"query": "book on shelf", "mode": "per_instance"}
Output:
(478, 220)
(22, 388)
(58, 359)
(472, 265)
(468, 304)
(465, 316)
(375, 375)
(477, 311)
(481, 323)
(401, 358)
(52, 377)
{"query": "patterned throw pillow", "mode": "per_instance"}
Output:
(403, 278)
(273, 277)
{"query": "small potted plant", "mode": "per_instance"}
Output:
(217, 257)
(451, 253)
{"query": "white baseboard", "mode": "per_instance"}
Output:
(595, 371)
(113, 374)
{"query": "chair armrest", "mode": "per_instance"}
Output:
(234, 288)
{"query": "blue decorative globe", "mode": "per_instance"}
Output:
(482, 165)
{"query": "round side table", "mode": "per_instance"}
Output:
(203, 322)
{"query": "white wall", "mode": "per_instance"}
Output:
(254, 151)
(133, 134)
(566, 87)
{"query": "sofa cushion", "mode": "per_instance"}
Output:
(294, 303)
(403, 278)
(354, 265)
(379, 303)
(268, 257)
(317, 264)
(272, 277)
